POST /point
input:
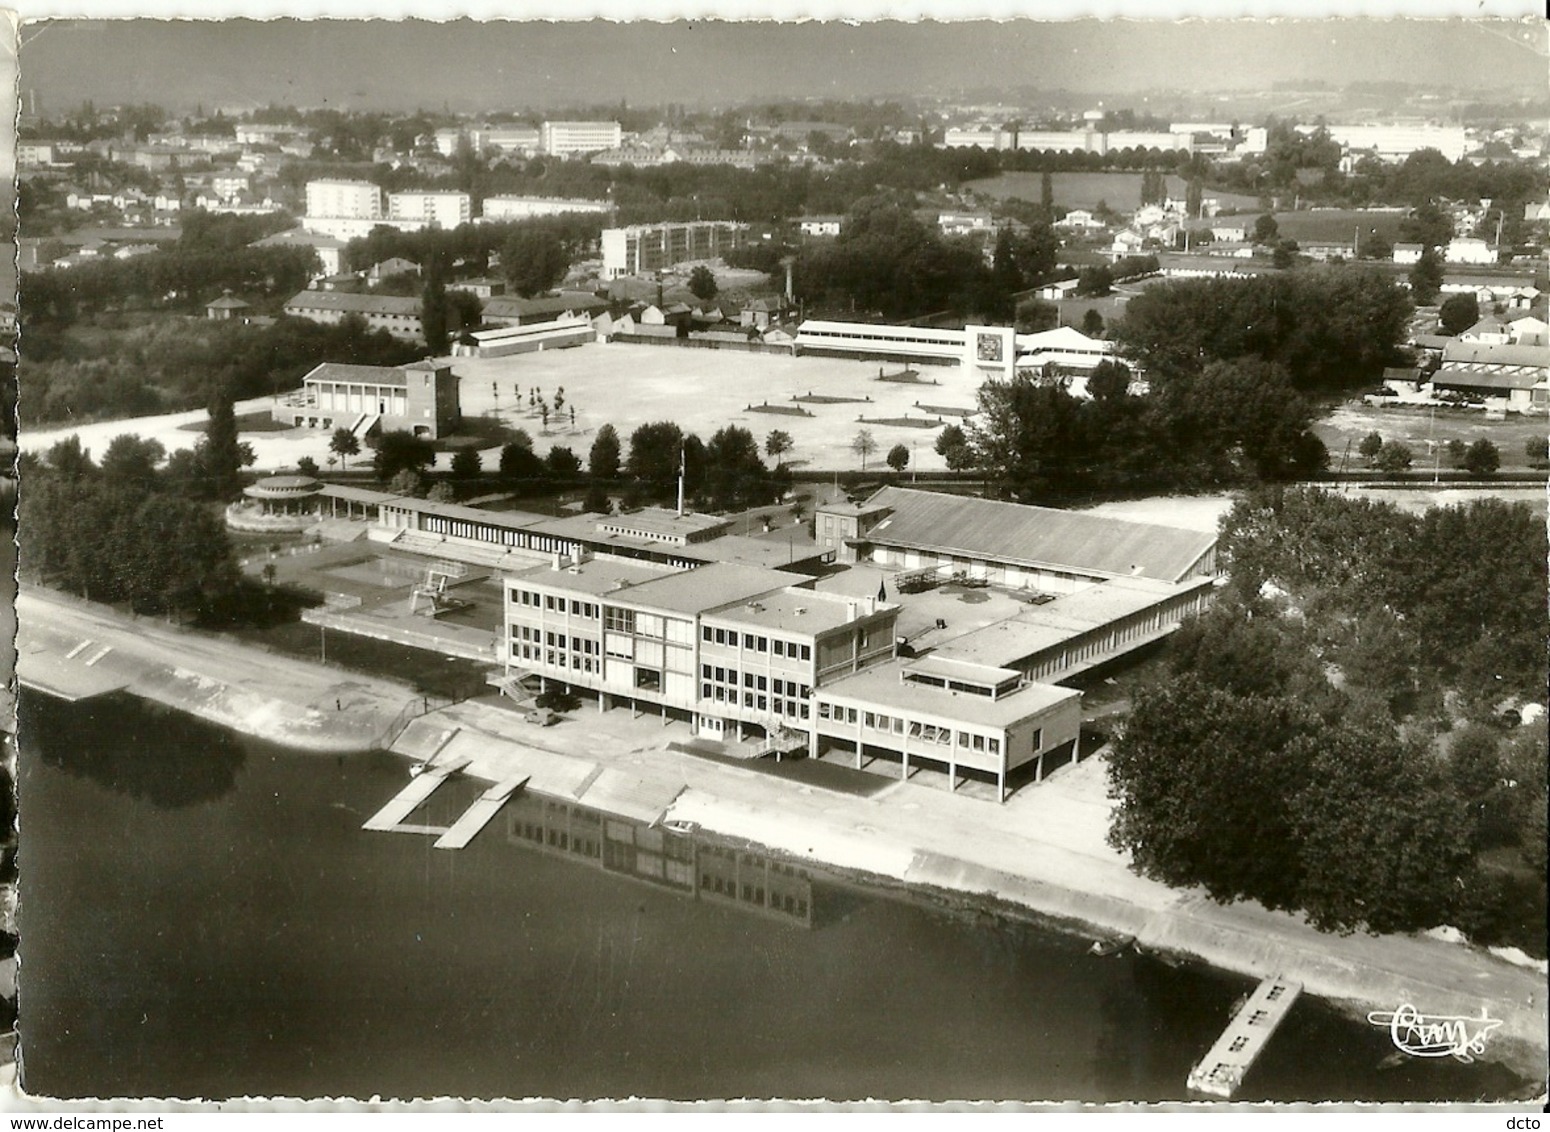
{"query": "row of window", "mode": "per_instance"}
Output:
(558, 658)
(925, 732)
(721, 694)
(752, 642)
(555, 604)
(777, 685)
(555, 640)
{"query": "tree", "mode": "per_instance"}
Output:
(777, 444)
(220, 454)
(863, 445)
(1394, 456)
(1459, 313)
(1457, 450)
(307, 466)
(131, 461)
(409, 482)
(1034, 315)
(898, 457)
(1047, 193)
(441, 492)
(1284, 255)
(733, 473)
(603, 459)
(702, 283)
(1370, 446)
(1092, 324)
(656, 453)
(1426, 277)
(399, 450)
(596, 500)
(1095, 281)
(466, 464)
(344, 444)
(1537, 448)
(562, 462)
(953, 446)
(433, 310)
(1109, 380)
(1194, 198)
(1377, 247)
(1428, 226)
(1483, 458)
(534, 260)
(1266, 230)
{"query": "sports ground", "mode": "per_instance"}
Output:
(628, 385)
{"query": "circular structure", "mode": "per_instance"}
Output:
(276, 503)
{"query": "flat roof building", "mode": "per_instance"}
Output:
(419, 398)
(645, 248)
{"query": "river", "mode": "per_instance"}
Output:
(202, 916)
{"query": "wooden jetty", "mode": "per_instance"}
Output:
(407, 800)
(1221, 1071)
(479, 814)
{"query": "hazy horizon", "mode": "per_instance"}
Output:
(465, 65)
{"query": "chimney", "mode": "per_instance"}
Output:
(559, 561)
(790, 290)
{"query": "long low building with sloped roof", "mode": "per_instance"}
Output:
(1009, 544)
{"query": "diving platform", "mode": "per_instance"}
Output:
(479, 814)
(1221, 1071)
(407, 800)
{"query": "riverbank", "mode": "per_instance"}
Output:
(1044, 850)
(76, 650)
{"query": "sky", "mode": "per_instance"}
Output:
(466, 65)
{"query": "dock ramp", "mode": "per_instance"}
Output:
(479, 814)
(407, 800)
(1221, 1071)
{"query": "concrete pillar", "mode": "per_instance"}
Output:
(1001, 782)
(904, 757)
(739, 730)
(812, 743)
(602, 702)
(1076, 746)
(1038, 768)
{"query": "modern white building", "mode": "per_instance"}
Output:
(652, 247)
(562, 139)
(995, 351)
(355, 200)
(1467, 249)
(434, 209)
(1397, 142)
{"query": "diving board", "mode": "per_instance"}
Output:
(479, 814)
(407, 800)
(1222, 1070)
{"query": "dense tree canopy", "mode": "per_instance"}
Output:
(1295, 750)
(1330, 328)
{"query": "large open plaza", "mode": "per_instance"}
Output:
(819, 401)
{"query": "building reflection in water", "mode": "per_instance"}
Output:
(680, 862)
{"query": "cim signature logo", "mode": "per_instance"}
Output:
(1440, 1035)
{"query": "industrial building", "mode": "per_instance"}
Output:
(520, 208)
(562, 139)
(994, 350)
(433, 209)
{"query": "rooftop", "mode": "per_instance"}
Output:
(708, 587)
(796, 611)
(364, 375)
(347, 302)
(1039, 536)
(883, 685)
(1460, 353)
(598, 576)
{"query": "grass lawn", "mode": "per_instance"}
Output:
(1338, 224)
(1420, 428)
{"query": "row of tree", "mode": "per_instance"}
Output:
(1334, 748)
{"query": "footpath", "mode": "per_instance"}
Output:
(1044, 850)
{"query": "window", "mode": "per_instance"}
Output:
(704, 691)
(748, 679)
(761, 644)
(748, 699)
(823, 711)
(780, 707)
(807, 652)
(979, 742)
(898, 726)
(995, 745)
(721, 674)
(870, 720)
(1038, 737)
(748, 640)
(963, 738)
(705, 671)
(762, 703)
(575, 607)
(762, 684)
(780, 648)
(721, 636)
(804, 691)
(850, 715)
(705, 634)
